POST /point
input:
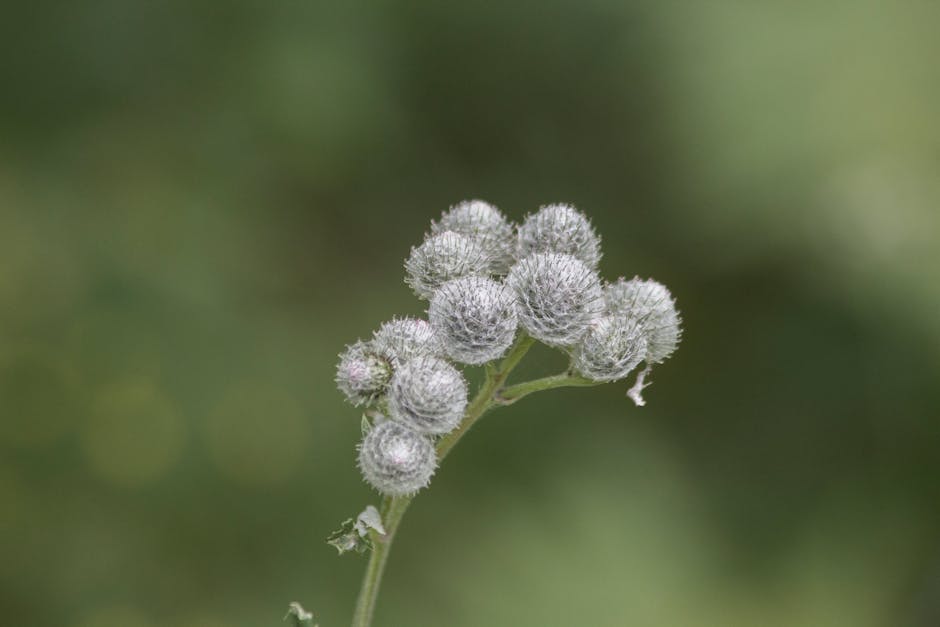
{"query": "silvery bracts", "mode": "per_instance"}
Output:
(493, 289)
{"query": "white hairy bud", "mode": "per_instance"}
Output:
(441, 258)
(401, 339)
(558, 297)
(612, 347)
(484, 223)
(560, 229)
(427, 394)
(475, 317)
(396, 460)
(362, 373)
(654, 308)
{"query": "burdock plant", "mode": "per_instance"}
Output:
(494, 290)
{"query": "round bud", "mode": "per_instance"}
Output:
(484, 223)
(428, 395)
(395, 460)
(558, 297)
(612, 347)
(362, 373)
(441, 258)
(475, 317)
(654, 308)
(560, 229)
(636, 296)
(402, 339)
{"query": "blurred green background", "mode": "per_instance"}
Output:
(202, 202)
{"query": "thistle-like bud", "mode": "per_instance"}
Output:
(558, 297)
(427, 394)
(396, 460)
(651, 304)
(401, 339)
(560, 229)
(362, 373)
(484, 223)
(613, 346)
(441, 258)
(475, 317)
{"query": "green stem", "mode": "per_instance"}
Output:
(513, 393)
(392, 511)
(490, 394)
(487, 396)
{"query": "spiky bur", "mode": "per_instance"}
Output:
(427, 394)
(552, 291)
(653, 307)
(441, 258)
(558, 297)
(475, 317)
(396, 460)
(560, 229)
(481, 221)
(362, 373)
(401, 339)
(612, 347)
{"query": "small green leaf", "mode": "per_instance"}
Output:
(298, 616)
(347, 538)
(353, 535)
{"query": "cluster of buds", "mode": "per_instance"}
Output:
(485, 280)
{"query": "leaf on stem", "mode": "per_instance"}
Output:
(298, 616)
(353, 535)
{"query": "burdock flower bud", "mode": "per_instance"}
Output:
(396, 460)
(560, 229)
(484, 223)
(475, 317)
(441, 258)
(558, 297)
(362, 373)
(613, 346)
(402, 339)
(427, 394)
(651, 304)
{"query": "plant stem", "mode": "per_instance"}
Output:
(486, 397)
(490, 394)
(513, 393)
(393, 508)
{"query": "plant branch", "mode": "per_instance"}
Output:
(511, 394)
(393, 508)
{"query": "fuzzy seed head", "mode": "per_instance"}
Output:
(441, 258)
(613, 346)
(396, 460)
(654, 308)
(475, 317)
(401, 339)
(560, 229)
(427, 394)
(484, 223)
(558, 297)
(362, 373)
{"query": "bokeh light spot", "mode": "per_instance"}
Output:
(134, 434)
(257, 434)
